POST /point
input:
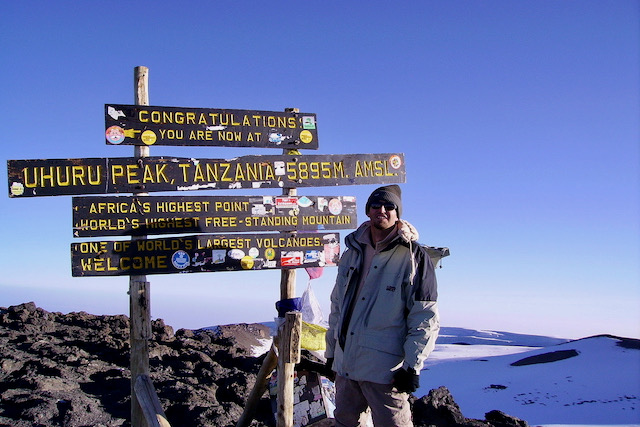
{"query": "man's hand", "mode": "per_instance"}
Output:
(323, 369)
(406, 381)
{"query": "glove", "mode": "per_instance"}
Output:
(406, 381)
(328, 369)
(329, 364)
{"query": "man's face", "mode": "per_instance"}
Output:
(383, 215)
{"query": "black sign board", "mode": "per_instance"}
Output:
(125, 215)
(205, 253)
(146, 125)
(28, 178)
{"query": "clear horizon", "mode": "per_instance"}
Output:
(519, 122)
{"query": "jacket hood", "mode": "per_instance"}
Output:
(407, 233)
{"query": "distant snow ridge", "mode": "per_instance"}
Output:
(471, 336)
(465, 344)
(591, 381)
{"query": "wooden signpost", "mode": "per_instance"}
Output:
(139, 292)
(139, 215)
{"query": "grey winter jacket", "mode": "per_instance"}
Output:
(395, 321)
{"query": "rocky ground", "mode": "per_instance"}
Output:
(72, 370)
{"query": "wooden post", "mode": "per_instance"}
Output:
(292, 327)
(262, 381)
(286, 369)
(288, 356)
(288, 338)
(139, 299)
(146, 393)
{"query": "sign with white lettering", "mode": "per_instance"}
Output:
(28, 178)
(205, 253)
(146, 125)
(123, 215)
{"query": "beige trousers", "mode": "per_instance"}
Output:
(388, 407)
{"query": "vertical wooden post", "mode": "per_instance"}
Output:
(139, 299)
(286, 369)
(288, 275)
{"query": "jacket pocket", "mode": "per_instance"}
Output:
(387, 309)
(384, 342)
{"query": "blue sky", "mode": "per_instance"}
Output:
(520, 123)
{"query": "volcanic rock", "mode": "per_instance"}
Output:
(72, 370)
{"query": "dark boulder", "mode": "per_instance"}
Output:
(438, 409)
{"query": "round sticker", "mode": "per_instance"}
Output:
(247, 263)
(180, 260)
(305, 202)
(114, 134)
(270, 253)
(17, 189)
(253, 252)
(395, 161)
(306, 136)
(148, 137)
(235, 254)
(335, 206)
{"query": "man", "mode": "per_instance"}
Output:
(384, 318)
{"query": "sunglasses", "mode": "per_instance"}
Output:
(387, 206)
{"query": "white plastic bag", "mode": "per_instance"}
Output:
(311, 311)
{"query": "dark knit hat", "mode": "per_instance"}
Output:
(388, 193)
